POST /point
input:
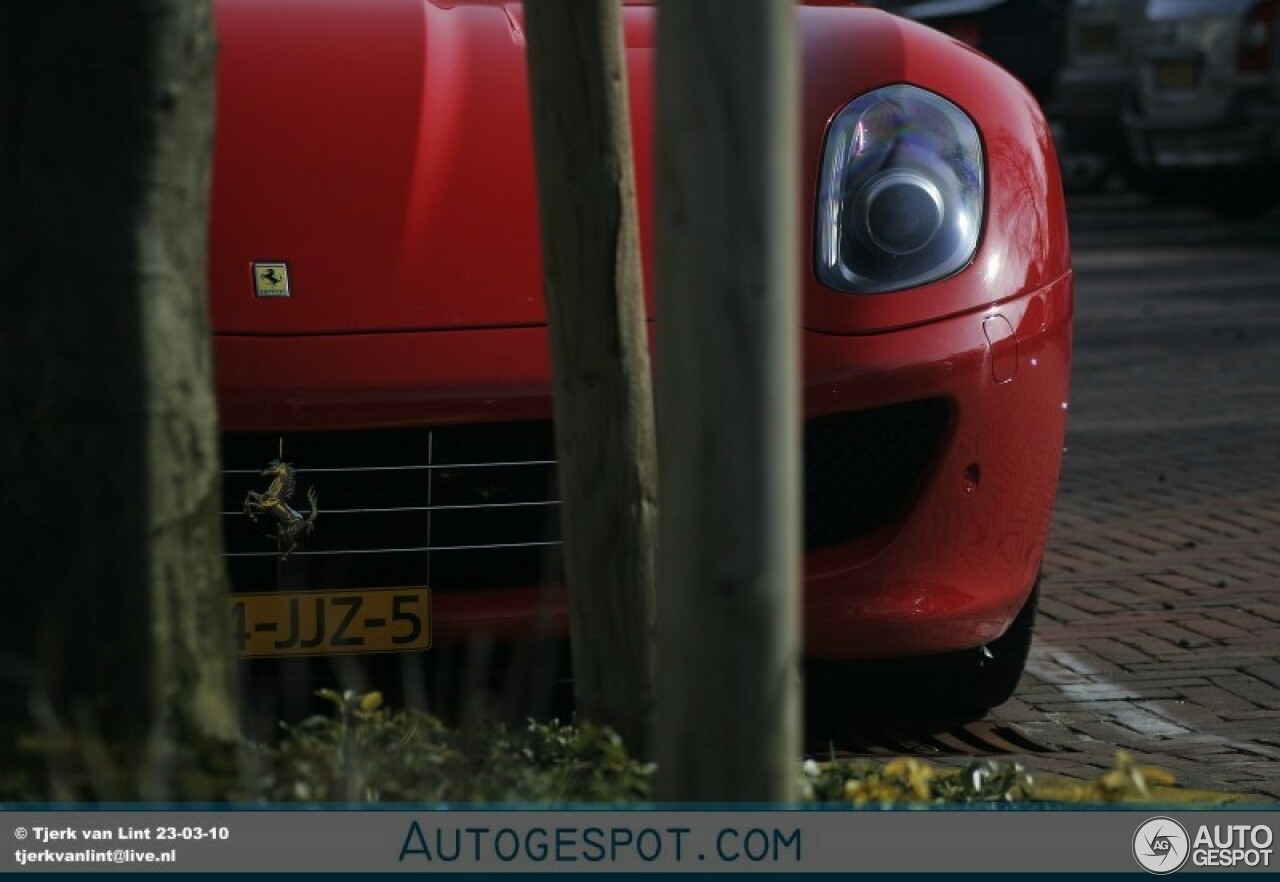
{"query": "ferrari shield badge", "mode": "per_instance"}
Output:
(273, 504)
(271, 279)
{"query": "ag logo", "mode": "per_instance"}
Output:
(1161, 846)
(271, 279)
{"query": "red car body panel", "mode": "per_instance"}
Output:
(382, 149)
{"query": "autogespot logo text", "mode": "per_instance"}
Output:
(1161, 846)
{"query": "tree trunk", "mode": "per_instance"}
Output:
(600, 362)
(728, 699)
(114, 586)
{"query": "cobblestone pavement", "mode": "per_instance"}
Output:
(1159, 627)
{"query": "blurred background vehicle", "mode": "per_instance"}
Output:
(1093, 89)
(1202, 123)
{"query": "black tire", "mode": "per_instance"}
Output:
(987, 677)
(950, 686)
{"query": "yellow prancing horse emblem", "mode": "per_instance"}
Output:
(291, 525)
(271, 279)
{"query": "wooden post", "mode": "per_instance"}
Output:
(600, 360)
(728, 712)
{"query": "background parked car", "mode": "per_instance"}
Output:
(1204, 90)
(1093, 88)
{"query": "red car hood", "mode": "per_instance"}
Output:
(382, 150)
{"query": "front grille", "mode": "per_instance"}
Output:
(454, 507)
(473, 507)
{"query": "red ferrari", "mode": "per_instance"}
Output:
(380, 328)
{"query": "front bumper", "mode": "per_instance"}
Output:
(946, 564)
(957, 567)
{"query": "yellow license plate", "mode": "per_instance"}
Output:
(331, 622)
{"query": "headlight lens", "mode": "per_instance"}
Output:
(901, 192)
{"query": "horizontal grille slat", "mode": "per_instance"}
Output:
(420, 508)
(408, 468)
(419, 550)
(455, 507)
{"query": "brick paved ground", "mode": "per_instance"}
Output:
(1160, 618)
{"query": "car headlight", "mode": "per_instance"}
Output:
(901, 192)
